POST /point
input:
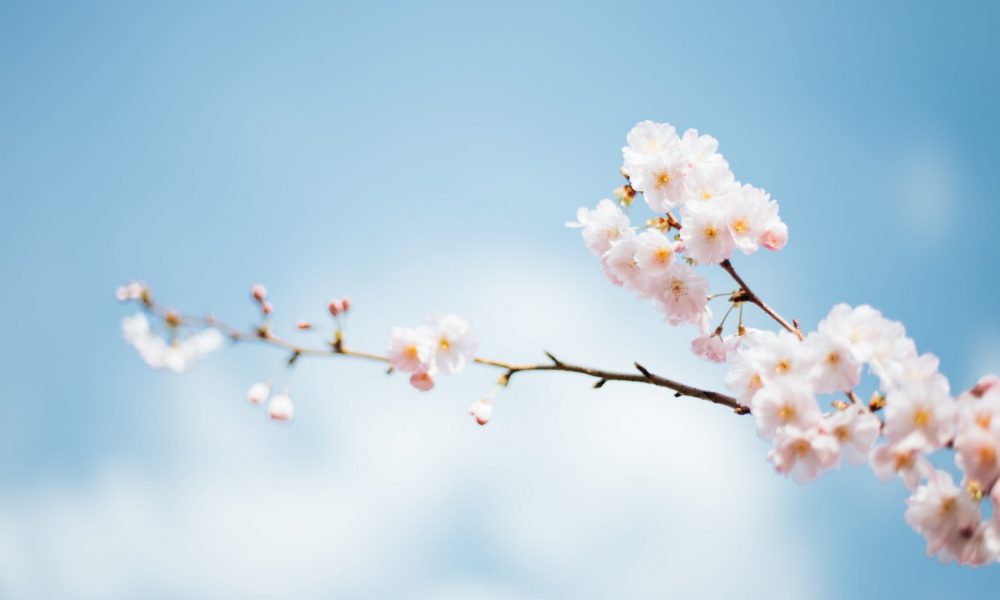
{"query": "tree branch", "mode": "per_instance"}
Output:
(263, 334)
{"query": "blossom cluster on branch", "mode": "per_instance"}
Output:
(801, 388)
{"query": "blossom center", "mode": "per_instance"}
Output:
(787, 413)
(784, 366)
(677, 288)
(411, 352)
(948, 505)
(662, 255)
(833, 358)
(740, 226)
(922, 417)
(663, 179)
(983, 420)
(842, 433)
(801, 448)
(988, 456)
(444, 344)
(902, 461)
(711, 233)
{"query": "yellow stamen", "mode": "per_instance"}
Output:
(802, 448)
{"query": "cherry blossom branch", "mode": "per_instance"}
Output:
(265, 335)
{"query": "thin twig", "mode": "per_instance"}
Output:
(748, 295)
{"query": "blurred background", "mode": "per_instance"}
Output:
(422, 157)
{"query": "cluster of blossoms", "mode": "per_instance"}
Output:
(177, 349)
(173, 352)
(441, 347)
(779, 377)
(717, 216)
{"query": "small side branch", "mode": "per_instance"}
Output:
(747, 295)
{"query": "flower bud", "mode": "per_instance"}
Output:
(259, 392)
(985, 384)
(347, 303)
(336, 306)
(303, 324)
(775, 238)
(266, 307)
(423, 381)
(259, 292)
(281, 408)
(172, 319)
(482, 410)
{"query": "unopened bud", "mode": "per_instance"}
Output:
(133, 290)
(259, 292)
(266, 307)
(984, 385)
(347, 303)
(423, 381)
(336, 306)
(625, 195)
(259, 392)
(172, 319)
(303, 324)
(482, 410)
(281, 407)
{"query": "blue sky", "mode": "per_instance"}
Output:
(425, 156)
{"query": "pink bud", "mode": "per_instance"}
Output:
(423, 381)
(267, 307)
(259, 292)
(303, 324)
(984, 385)
(482, 410)
(336, 306)
(281, 408)
(258, 393)
(347, 303)
(775, 238)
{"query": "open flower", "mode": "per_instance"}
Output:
(411, 348)
(782, 404)
(453, 343)
(945, 514)
(855, 429)
(803, 454)
(601, 226)
(178, 354)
